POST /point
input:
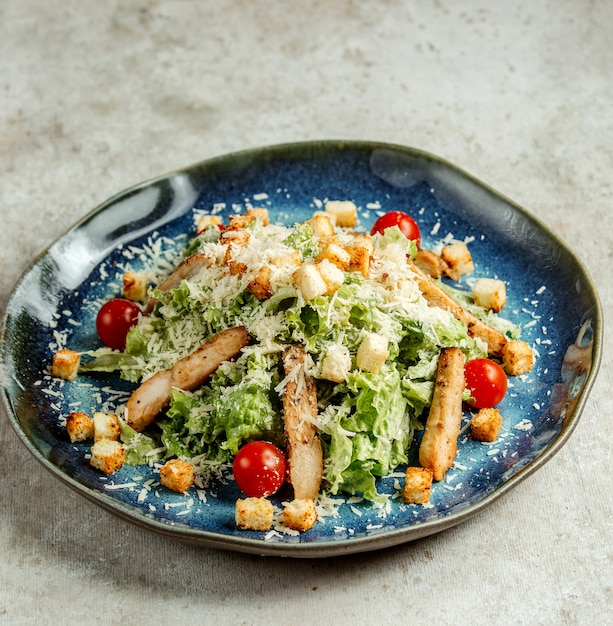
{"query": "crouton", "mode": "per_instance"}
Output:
(458, 259)
(486, 424)
(418, 485)
(431, 263)
(330, 216)
(80, 426)
(106, 426)
(335, 253)
(372, 353)
(332, 275)
(239, 222)
(260, 286)
(107, 455)
(235, 241)
(135, 286)
(254, 513)
(66, 364)
(236, 268)
(344, 211)
(517, 357)
(360, 250)
(207, 220)
(300, 514)
(286, 260)
(237, 236)
(309, 281)
(177, 475)
(259, 213)
(336, 364)
(490, 293)
(322, 226)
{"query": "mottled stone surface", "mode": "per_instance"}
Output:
(97, 96)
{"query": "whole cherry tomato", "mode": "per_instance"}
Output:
(405, 222)
(260, 469)
(115, 318)
(486, 381)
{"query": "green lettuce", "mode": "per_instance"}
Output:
(140, 448)
(236, 406)
(367, 436)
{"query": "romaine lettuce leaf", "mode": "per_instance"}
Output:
(236, 406)
(367, 436)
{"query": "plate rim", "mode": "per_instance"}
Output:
(341, 546)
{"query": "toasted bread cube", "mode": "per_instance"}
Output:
(517, 357)
(310, 282)
(300, 514)
(66, 364)
(260, 286)
(490, 293)
(107, 455)
(135, 286)
(207, 220)
(332, 275)
(362, 241)
(260, 214)
(458, 259)
(106, 426)
(345, 212)
(177, 475)
(236, 241)
(285, 260)
(335, 253)
(360, 250)
(80, 426)
(372, 353)
(330, 216)
(239, 222)
(431, 263)
(322, 226)
(336, 363)
(235, 236)
(254, 513)
(418, 485)
(486, 424)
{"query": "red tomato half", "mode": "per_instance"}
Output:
(486, 382)
(405, 222)
(260, 469)
(114, 320)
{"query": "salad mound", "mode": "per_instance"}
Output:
(354, 304)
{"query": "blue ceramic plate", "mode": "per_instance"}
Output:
(550, 296)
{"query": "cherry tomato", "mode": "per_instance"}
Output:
(486, 381)
(405, 222)
(260, 469)
(114, 320)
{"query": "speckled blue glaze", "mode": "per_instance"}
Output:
(550, 296)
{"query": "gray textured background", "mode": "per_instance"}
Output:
(97, 96)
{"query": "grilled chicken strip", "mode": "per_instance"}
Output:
(185, 270)
(304, 451)
(187, 374)
(440, 441)
(476, 328)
